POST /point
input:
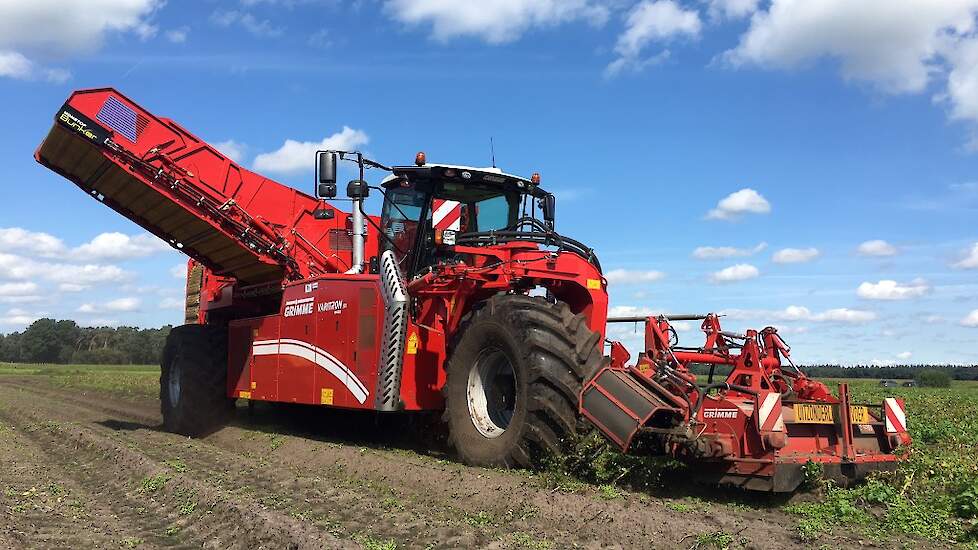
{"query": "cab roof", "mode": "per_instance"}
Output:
(464, 174)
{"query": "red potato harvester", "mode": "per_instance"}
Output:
(460, 296)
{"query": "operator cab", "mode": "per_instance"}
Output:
(430, 205)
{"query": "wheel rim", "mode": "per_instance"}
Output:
(492, 393)
(174, 383)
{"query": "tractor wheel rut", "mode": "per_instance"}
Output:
(103, 474)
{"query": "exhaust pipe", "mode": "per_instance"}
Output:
(357, 190)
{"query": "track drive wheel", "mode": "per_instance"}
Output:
(514, 375)
(193, 380)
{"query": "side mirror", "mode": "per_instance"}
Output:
(549, 206)
(325, 174)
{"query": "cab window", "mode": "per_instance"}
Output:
(492, 214)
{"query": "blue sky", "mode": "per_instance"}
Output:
(813, 169)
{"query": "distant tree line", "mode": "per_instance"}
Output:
(52, 341)
(866, 371)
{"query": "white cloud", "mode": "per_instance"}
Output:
(17, 317)
(962, 81)
(649, 22)
(232, 149)
(891, 290)
(123, 304)
(55, 28)
(24, 299)
(904, 355)
(179, 271)
(899, 46)
(971, 320)
(732, 9)
(745, 201)
(71, 287)
(19, 267)
(739, 272)
(629, 330)
(721, 252)
(795, 255)
(35, 243)
(969, 259)
(17, 289)
(297, 156)
(247, 21)
(117, 246)
(876, 248)
(119, 304)
(178, 35)
(494, 21)
(145, 31)
(845, 315)
(173, 303)
(105, 246)
(802, 313)
(15, 65)
(628, 277)
(320, 39)
(630, 311)
(891, 43)
(99, 322)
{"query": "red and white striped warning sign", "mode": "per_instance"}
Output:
(769, 417)
(446, 214)
(896, 416)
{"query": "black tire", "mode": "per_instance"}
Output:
(530, 357)
(193, 380)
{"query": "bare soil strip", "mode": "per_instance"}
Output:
(90, 469)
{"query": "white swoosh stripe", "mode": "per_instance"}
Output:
(329, 356)
(313, 354)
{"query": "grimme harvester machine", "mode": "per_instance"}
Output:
(459, 297)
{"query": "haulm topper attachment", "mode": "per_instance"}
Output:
(460, 296)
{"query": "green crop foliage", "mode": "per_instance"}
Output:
(369, 542)
(153, 484)
(933, 494)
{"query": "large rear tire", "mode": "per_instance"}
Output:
(193, 380)
(514, 376)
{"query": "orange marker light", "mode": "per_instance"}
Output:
(535, 178)
(420, 158)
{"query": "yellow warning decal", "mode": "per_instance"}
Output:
(254, 385)
(326, 396)
(859, 414)
(810, 413)
(244, 394)
(412, 347)
(594, 284)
